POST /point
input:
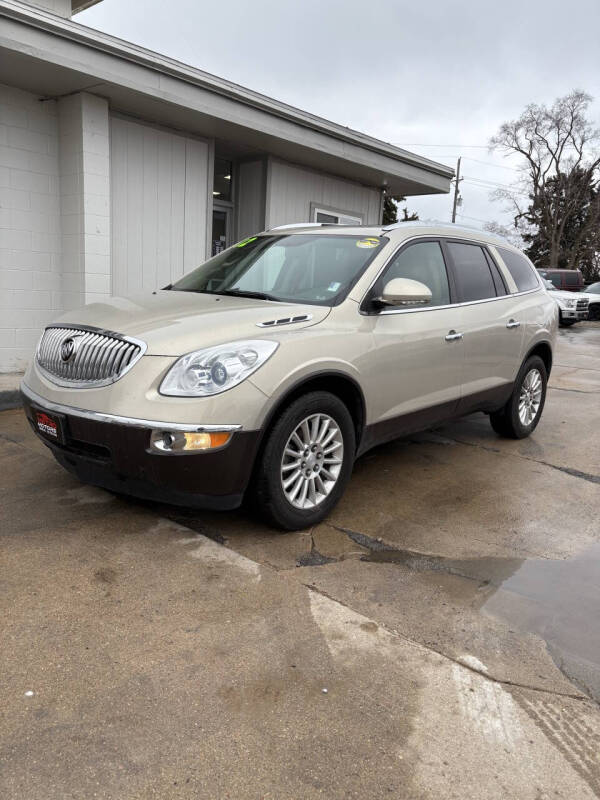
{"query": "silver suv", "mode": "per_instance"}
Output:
(268, 370)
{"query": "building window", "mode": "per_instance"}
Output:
(222, 180)
(336, 217)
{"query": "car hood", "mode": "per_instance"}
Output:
(172, 323)
(561, 294)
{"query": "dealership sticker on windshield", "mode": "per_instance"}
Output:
(244, 242)
(370, 241)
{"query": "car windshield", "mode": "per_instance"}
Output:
(317, 269)
(594, 288)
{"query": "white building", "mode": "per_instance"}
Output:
(121, 169)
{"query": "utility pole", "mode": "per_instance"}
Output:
(457, 180)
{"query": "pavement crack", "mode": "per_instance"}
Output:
(421, 646)
(577, 391)
(574, 473)
(313, 558)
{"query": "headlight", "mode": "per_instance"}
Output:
(570, 303)
(216, 369)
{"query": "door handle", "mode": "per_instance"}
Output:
(512, 323)
(453, 336)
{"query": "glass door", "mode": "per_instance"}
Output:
(220, 225)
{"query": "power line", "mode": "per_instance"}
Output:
(446, 157)
(478, 184)
(491, 164)
(466, 216)
(486, 181)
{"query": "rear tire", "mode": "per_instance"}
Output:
(306, 462)
(521, 414)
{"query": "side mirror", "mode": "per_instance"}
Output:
(405, 292)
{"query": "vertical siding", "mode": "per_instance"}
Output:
(292, 189)
(159, 201)
(196, 204)
(250, 197)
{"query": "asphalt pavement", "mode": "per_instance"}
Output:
(437, 637)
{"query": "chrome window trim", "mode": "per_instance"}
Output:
(431, 237)
(131, 422)
(73, 384)
(456, 305)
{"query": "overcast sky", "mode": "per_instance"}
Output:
(437, 77)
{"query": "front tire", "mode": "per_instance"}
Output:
(521, 414)
(306, 462)
(565, 323)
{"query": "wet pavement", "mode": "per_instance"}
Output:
(438, 636)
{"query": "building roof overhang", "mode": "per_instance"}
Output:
(54, 57)
(81, 5)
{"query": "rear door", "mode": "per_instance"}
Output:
(490, 323)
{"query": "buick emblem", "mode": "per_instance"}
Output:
(67, 349)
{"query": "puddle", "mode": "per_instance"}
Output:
(557, 600)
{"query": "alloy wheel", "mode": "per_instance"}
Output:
(312, 461)
(530, 397)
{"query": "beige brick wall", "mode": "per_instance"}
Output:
(30, 246)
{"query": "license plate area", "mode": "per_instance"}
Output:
(49, 425)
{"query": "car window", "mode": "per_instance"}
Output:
(298, 268)
(520, 269)
(593, 289)
(424, 262)
(572, 279)
(496, 276)
(473, 274)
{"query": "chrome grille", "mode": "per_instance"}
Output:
(583, 304)
(86, 357)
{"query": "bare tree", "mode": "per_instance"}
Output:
(512, 235)
(561, 157)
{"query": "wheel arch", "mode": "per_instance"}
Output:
(338, 383)
(544, 351)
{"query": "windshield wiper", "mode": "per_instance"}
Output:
(244, 293)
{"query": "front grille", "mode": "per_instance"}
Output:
(85, 357)
(583, 304)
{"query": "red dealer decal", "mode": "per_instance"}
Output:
(46, 425)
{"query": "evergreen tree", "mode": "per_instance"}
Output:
(579, 241)
(390, 211)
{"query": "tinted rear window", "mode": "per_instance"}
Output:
(520, 269)
(473, 273)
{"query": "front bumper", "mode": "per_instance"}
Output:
(114, 453)
(573, 313)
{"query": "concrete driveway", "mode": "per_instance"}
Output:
(439, 637)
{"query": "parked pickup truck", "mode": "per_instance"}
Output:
(572, 306)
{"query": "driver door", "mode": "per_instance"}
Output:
(416, 373)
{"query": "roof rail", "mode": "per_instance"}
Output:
(320, 225)
(451, 226)
(297, 225)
